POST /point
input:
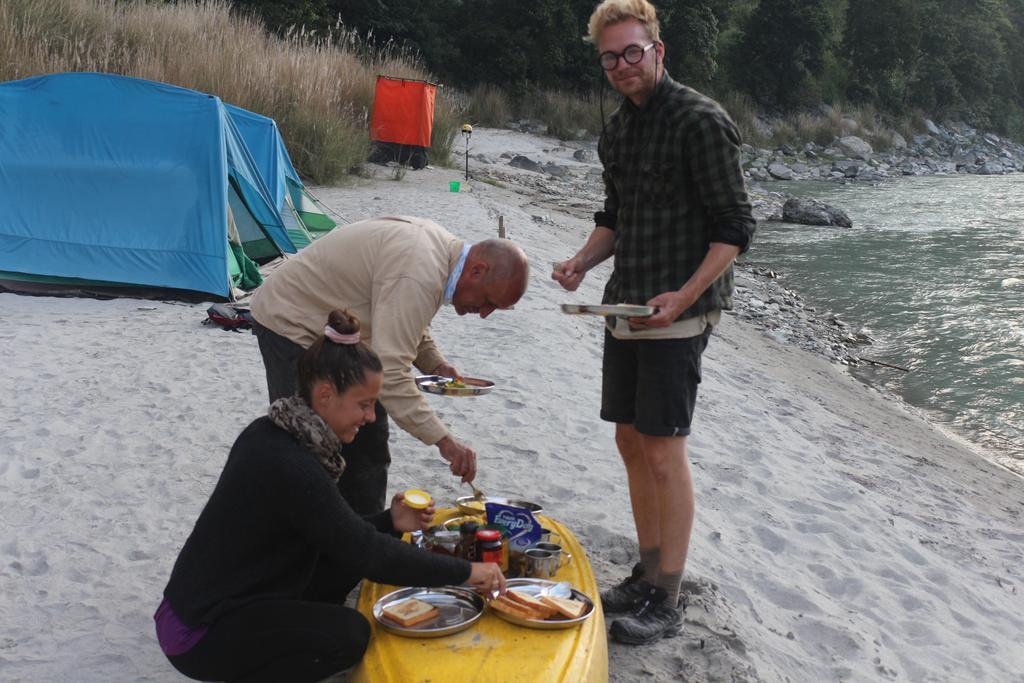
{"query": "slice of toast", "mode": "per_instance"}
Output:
(410, 612)
(532, 603)
(567, 607)
(509, 606)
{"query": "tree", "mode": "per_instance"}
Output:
(882, 46)
(690, 33)
(782, 53)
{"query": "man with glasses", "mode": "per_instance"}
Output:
(394, 273)
(675, 216)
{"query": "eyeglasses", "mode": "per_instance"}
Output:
(632, 54)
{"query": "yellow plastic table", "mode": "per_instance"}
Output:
(493, 650)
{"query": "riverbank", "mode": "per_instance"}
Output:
(839, 536)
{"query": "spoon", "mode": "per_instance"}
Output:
(477, 493)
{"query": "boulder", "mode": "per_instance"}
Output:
(855, 147)
(848, 167)
(897, 141)
(585, 155)
(991, 168)
(555, 170)
(525, 163)
(814, 212)
(780, 171)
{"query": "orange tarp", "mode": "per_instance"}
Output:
(403, 111)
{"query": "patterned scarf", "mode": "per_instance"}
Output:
(294, 415)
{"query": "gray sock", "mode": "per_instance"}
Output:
(671, 583)
(650, 559)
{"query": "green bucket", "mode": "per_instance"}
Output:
(453, 186)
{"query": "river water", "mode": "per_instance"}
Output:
(933, 271)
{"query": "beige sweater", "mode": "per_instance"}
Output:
(391, 273)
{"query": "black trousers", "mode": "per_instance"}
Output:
(283, 640)
(364, 483)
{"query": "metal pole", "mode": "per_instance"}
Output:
(467, 131)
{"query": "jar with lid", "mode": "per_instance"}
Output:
(489, 548)
(467, 546)
(444, 542)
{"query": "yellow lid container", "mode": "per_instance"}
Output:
(417, 500)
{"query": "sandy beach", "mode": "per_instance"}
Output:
(839, 535)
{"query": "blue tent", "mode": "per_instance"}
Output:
(118, 181)
(303, 216)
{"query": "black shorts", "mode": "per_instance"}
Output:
(652, 383)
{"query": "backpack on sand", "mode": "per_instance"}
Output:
(229, 317)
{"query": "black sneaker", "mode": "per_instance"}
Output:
(653, 619)
(625, 596)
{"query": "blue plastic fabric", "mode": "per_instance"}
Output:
(105, 177)
(264, 140)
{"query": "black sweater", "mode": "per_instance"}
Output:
(273, 513)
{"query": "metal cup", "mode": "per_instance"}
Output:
(564, 556)
(541, 564)
(549, 536)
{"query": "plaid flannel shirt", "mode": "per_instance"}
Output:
(673, 185)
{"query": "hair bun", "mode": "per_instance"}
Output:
(343, 322)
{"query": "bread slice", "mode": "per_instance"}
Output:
(567, 607)
(410, 612)
(532, 603)
(509, 606)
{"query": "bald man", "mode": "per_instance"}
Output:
(394, 273)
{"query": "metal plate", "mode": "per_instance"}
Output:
(543, 586)
(442, 386)
(615, 310)
(459, 609)
(469, 505)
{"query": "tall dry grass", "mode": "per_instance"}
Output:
(566, 114)
(489, 106)
(319, 88)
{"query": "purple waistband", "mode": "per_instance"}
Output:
(175, 638)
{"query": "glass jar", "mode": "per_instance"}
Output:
(467, 546)
(444, 542)
(489, 548)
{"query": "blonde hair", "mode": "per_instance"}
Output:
(613, 11)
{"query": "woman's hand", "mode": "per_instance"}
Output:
(404, 518)
(486, 578)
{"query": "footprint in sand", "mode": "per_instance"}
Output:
(770, 540)
(845, 587)
(821, 571)
(524, 453)
(836, 641)
(35, 566)
(559, 492)
(912, 556)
